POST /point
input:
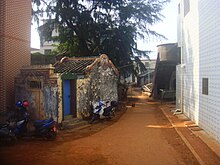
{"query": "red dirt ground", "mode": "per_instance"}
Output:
(140, 136)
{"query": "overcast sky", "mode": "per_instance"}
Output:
(167, 28)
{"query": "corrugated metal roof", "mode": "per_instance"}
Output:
(73, 65)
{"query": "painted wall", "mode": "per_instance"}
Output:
(200, 45)
(190, 58)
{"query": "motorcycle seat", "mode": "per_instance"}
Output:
(42, 122)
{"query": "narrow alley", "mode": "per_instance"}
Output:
(142, 136)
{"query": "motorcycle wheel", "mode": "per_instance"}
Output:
(51, 135)
(94, 117)
(108, 118)
(113, 113)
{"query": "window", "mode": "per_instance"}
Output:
(47, 51)
(186, 7)
(35, 84)
(178, 8)
(205, 86)
(147, 64)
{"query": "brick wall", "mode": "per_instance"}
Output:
(2, 60)
(15, 28)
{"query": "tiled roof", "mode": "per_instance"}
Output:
(73, 65)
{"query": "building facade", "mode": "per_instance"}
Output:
(46, 47)
(15, 33)
(68, 87)
(199, 72)
(147, 76)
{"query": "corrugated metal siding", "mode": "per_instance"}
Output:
(15, 45)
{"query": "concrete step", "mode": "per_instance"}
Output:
(71, 123)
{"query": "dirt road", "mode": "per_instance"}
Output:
(142, 136)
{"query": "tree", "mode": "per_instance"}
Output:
(92, 27)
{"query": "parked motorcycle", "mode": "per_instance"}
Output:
(42, 128)
(103, 109)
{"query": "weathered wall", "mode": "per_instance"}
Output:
(42, 88)
(51, 102)
(101, 82)
(83, 97)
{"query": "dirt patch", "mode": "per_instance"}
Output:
(142, 135)
(90, 129)
(28, 149)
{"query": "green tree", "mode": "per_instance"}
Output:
(93, 27)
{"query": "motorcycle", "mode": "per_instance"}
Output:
(42, 128)
(103, 109)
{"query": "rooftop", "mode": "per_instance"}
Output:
(73, 65)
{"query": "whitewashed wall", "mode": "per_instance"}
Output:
(209, 22)
(190, 58)
(178, 87)
(200, 43)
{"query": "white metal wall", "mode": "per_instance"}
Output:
(200, 44)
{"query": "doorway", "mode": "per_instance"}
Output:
(69, 97)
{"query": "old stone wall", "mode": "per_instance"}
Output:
(84, 97)
(100, 83)
(103, 82)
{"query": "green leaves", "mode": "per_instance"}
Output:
(92, 27)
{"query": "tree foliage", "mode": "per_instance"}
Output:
(93, 27)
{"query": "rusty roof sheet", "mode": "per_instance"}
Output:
(73, 65)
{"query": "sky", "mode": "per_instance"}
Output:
(168, 28)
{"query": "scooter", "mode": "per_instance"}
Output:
(42, 128)
(103, 109)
